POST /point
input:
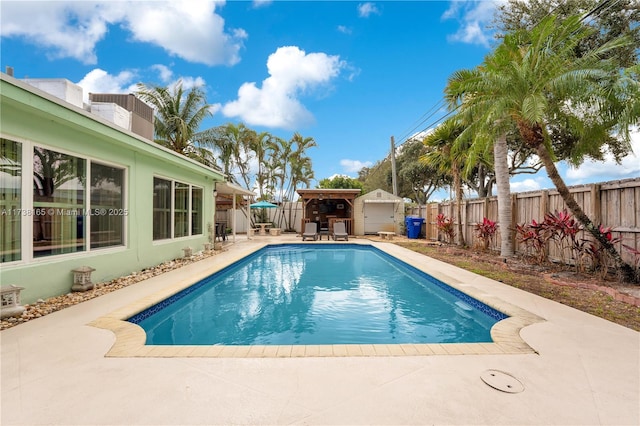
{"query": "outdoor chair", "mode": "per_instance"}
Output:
(310, 231)
(221, 232)
(339, 232)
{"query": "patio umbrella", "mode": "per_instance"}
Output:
(263, 205)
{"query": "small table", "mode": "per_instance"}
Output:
(263, 226)
(386, 235)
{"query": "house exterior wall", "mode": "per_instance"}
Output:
(38, 120)
(375, 196)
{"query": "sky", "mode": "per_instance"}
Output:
(350, 74)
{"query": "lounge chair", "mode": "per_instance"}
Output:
(339, 232)
(310, 231)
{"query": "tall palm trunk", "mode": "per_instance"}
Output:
(504, 195)
(628, 272)
(457, 182)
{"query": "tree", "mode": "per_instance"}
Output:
(340, 182)
(178, 115)
(446, 156)
(533, 78)
(376, 176)
(609, 20)
(300, 168)
(259, 147)
(416, 179)
(235, 145)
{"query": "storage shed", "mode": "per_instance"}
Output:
(378, 211)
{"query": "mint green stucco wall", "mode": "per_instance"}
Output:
(32, 119)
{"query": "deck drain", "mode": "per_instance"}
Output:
(502, 381)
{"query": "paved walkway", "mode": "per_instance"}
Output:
(582, 370)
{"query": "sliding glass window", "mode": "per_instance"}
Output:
(107, 206)
(196, 211)
(58, 203)
(161, 209)
(177, 209)
(10, 200)
(181, 212)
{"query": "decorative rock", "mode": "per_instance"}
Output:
(53, 304)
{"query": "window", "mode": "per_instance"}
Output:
(107, 206)
(196, 211)
(177, 209)
(161, 209)
(181, 212)
(10, 200)
(58, 203)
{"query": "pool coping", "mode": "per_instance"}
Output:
(130, 338)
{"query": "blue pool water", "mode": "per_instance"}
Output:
(303, 294)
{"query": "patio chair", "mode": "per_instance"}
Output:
(310, 231)
(221, 231)
(339, 232)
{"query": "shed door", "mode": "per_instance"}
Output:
(378, 217)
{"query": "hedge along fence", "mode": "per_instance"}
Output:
(614, 204)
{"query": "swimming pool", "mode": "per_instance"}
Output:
(306, 294)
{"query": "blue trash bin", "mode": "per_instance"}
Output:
(414, 226)
(407, 223)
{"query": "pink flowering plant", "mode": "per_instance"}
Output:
(486, 231)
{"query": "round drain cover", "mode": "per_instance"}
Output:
(502, 381)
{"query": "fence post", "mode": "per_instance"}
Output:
(514, 220)
(544, 209)
(485, 208)
(465, 214)
(596, 204)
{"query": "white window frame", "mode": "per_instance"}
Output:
(26, 225)
(190, 186)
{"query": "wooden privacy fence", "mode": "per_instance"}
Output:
(614, 204)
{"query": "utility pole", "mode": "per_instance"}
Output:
(394, 182)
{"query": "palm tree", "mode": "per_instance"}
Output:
(235, 144)
(534, 77)
(260, 148)
(178, 115)
(443, 155)
(301, 174)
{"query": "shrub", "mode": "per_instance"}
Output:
(485, 231)
(534, 237)
(600, 258)
(564, 229)
(636, 254)
(445, 225)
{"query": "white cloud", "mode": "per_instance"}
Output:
(352, 166)
(190, 30)
(165, 72)
(523, 185)
(367, 9)
(292, 73)
(261, 3)
(189, 82)
(344, 30)
(592, 171)
(473, 16)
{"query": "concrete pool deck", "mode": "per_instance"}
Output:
(575, 369)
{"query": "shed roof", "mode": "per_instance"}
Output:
(308, 194)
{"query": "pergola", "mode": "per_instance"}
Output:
(232, 190)
(327, 206)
